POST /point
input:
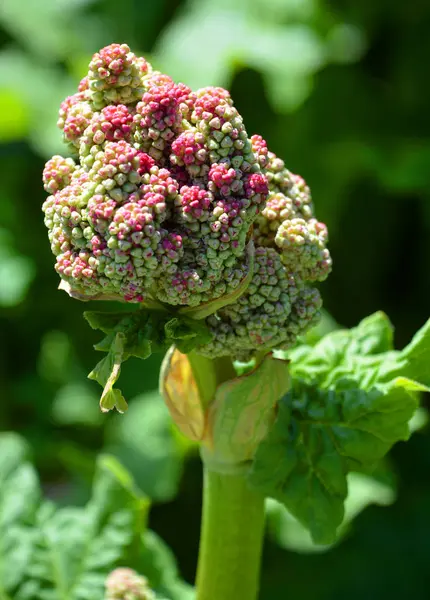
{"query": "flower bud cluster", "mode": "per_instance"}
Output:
(291, 252)
(126, 584)
(303, 248)
(74, 117)
(115, 76)
(163, 188)
(58, 173)
(276, 308)
(162, 197)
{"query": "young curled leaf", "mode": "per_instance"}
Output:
(149, 331)
(186, 333)
(106, 374)
(138, 333)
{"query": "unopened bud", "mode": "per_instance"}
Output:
(126, 584)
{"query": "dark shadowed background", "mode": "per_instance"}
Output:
(341, 92)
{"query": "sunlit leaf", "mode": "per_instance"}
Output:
(352, 398)
(319, 436)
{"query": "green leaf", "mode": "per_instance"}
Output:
(319, 435)
(344, 352)
(78, 547)
(140, 328)
(419, 420)
(364, 353)
(105, 344)
(352, 398)
(373, 335)
(48, 553)
(413, 361)
(19, 500)
(148, 331)
(363, 490)
(106, 321)
(107, 372)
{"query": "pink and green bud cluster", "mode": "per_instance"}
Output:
(287, 222)
(74, 117)
(58, 173)
(303, 248)
(276, 308)
(162, 191)
(159, 115)
(115, 76)
(291, 253)
(126, 584)
(165, 194)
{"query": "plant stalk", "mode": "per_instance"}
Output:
(231, 538)
(209, 374)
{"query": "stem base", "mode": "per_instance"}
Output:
(231, 539)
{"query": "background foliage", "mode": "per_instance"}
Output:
(339, 90)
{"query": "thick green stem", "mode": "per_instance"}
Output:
(231, 539)
(209, 374)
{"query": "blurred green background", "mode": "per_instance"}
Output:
(340, 91)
